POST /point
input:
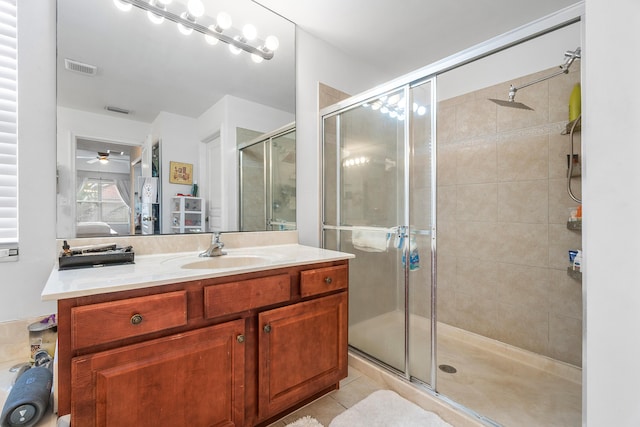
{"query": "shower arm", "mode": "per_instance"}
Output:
(564, 69)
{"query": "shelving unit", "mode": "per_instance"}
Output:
(187, 214)
(575, 226)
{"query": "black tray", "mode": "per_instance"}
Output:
(97, 259)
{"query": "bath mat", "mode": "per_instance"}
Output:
(305, 422)
(385, 408)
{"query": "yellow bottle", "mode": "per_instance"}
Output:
(574, 103)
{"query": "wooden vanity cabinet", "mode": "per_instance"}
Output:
(231, 351)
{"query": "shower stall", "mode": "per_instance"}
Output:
(268, 181)
(456, 209)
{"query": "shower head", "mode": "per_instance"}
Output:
(570, 56)
(512, 104)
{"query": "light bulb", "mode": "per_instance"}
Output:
(234, 49)
(224, 20)
(394, 99)
(104, 161)
(415, 107)
(384, 110)
(156, 19)
(422, 110)
(210, 39)
(195, 8)
(249, 32)
(184, 30)
(256, 58)
(272, 43)
(125, 7)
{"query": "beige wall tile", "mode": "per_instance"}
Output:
(526, 244)
(447, 158)
(446, 204)
(447, 235)
(477, 278)
(565, 294)
(523, 327)
(476, 164)
(474, 118)
(523, 157)
(565, 338)
(477, 240)
(480, 316)
(523, 285)
(477, 202)
(523, 201)
(446, 122)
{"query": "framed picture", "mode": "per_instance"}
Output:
(180, 173)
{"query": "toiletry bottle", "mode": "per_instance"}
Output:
(574, 103)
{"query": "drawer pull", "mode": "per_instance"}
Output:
(136, 319)
(328, 280)
(267, 328)
(240, 338)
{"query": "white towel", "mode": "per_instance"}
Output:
(370, 240)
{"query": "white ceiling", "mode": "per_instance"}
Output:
(148, 68)
(403, 35)
(172, 74)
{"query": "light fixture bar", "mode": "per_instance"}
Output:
(264, 54)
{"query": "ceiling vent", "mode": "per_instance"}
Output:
(79, 67)
(117, 109)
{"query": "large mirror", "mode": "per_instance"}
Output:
(150, 119)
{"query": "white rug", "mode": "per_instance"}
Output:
(305, 422)
(385, 408)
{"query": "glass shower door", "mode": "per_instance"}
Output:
(378, 200)
(364, 208)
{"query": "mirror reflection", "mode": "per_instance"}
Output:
(138, 99)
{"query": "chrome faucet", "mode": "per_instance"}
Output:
(216, 247)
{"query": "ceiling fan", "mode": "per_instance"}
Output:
(104, 157)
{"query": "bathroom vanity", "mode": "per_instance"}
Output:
(173, 340)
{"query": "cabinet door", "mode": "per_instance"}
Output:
(302, 350)
(190, 379)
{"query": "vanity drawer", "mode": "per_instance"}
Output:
(234, 297)
(111, 321)
(321, 280)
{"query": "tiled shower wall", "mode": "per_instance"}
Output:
(502, 213)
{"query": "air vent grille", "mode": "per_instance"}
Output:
(117, 109)
(79, 67)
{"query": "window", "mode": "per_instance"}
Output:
(99, 200)
(8, 131)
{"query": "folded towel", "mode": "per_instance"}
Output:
(370, 240)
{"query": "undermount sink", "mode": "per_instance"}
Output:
(228, 261)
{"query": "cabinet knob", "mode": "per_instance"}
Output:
(136, 319)
(240, 338)
(267, 328)
(328, 280)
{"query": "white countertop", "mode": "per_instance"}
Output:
(166, 268)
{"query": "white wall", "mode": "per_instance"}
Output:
(611, 242)
(318, 62)
(224, 117)
(22, 281)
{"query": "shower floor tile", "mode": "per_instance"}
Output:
(510, 386)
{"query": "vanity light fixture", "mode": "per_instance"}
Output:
(221, 30)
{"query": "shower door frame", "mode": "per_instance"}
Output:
(562, 18)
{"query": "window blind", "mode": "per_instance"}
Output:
(8, 129)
